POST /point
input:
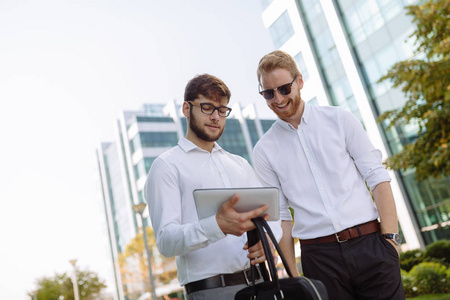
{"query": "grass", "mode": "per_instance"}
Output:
(431, 297)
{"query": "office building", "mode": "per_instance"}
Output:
(342, 48)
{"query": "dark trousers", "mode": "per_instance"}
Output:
(366, 267)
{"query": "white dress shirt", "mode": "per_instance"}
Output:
(202, 250)
(321, 169)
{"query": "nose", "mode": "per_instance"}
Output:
(214, 115)
(277, 97)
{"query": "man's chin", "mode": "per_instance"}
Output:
(281, 114)
(212, 137)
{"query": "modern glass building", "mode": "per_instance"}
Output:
(124, 163)
(342, 48)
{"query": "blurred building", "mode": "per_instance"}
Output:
(123, 166)
(342, 48)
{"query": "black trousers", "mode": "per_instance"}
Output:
(366, 267)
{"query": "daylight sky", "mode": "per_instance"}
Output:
(67, 69)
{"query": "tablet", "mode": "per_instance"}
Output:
(208, 201)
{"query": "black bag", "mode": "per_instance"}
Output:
(291, 288)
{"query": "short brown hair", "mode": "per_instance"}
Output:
(277, 60)
(207, 85)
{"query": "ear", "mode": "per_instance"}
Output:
(300, 81)
(186, 108)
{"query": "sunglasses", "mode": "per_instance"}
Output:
(209, 109)
(284, 89)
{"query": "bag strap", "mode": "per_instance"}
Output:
(261, 224)
(268, 253)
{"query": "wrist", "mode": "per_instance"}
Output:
(393, 237)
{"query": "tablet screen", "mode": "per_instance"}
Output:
(208, 201)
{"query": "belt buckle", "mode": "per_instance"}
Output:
(249, 282)
(338, 240)
(246, 277)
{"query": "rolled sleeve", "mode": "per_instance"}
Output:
(371, 168)
(366, 157)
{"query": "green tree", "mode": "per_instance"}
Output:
(425, 80)
(60, 286)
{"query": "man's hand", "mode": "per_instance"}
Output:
(256, 252)
(395, 246)
(232, 222)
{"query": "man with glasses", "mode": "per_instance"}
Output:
(321, 159)
(211, 254)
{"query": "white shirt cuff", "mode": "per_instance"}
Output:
(212, 229)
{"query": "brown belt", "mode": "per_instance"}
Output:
(346, 234)
(222, 280)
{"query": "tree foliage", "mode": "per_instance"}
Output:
(425, 81)
(135, 252)
(60, 286)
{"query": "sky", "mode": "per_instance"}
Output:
(67, 69)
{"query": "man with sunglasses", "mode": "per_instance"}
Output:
(211, 254)
(321, 159)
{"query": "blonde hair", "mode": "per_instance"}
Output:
(277, 60)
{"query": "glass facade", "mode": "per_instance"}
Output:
(281, 30)
(266, 124)
(378, 30)
(123, 229)
(251, 126)
(431, 202)
(143, 166)
(330, 63)
(301, 66)
(153, 139)
(232, 139)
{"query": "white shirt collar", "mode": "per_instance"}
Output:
(187, 146)
(304, 119)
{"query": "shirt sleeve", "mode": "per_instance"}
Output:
(268, 177)
(162, 193)
(367, 159)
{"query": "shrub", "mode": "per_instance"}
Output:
(447, 283)
(439, 250)
(408, 284)
(430, 278)
(411, 258)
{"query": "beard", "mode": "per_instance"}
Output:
(294, 106)
(200, 132)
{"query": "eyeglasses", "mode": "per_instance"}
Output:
(209, 109)
(284, 89)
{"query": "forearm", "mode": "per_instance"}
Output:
(385, 202)
(287, 246)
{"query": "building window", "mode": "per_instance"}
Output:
(281, 30)
(233, 140)
(143, 166)
(154, 119)
(252, 130)
(154, 139)
(301, 66)
(266, 124)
